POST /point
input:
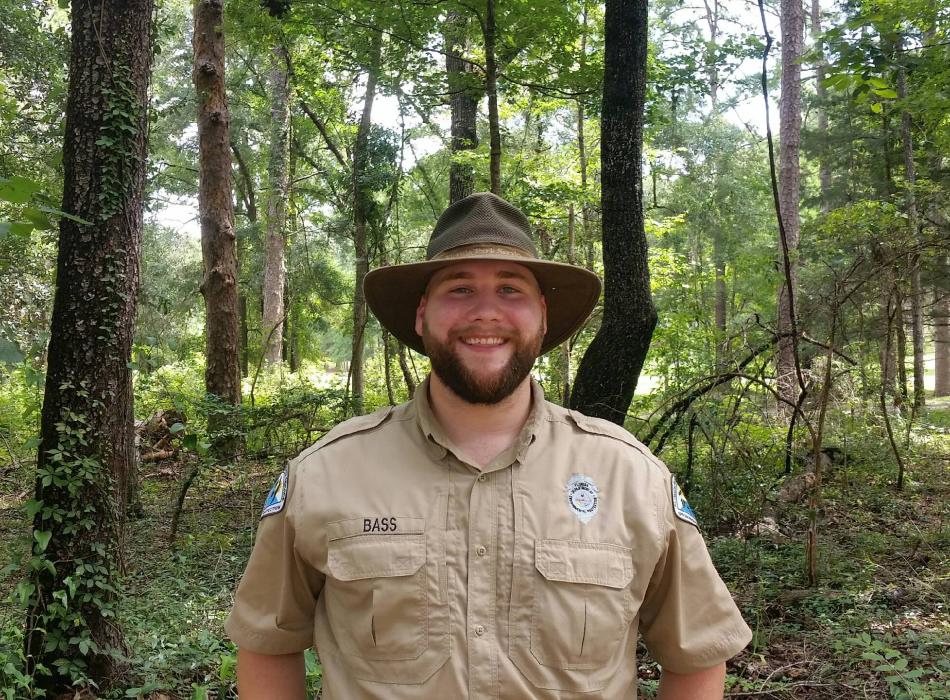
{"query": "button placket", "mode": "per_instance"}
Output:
(481, 587)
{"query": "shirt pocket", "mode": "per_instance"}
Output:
(581, 605)
(376, 595)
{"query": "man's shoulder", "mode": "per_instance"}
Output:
(353, 426)
(610, 432)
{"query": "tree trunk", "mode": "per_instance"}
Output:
(86, 438)
(608, 373)
(941, 321)
(242, 311)
(464, 102)
(913, 223)
(722, 346)
(278, 174)
(491, 88)
(824, 168)
(900, 333)
(790, 125)
(565, 349)
(246, 188)
(407, 375)
(712, 66)
(361, 203)
(582, 156)
(216, 213)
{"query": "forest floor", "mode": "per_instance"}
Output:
(876, 626)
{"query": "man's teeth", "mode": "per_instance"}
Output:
(483, 341)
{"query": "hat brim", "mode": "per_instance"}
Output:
(393, 295)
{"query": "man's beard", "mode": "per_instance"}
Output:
(482, 390)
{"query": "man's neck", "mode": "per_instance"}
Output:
(481, 431)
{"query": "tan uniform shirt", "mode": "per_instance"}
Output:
(418, 575)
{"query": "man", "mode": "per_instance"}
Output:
(478, 541)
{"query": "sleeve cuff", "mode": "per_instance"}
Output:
(271, 641)
(683, 662)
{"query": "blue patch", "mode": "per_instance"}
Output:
(680, 506)
(277, 496)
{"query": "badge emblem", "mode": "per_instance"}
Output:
(583, 497)
(277, 496)
(682, 509)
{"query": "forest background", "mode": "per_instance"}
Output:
(775, 323)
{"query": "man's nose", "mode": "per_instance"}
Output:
(485, 307)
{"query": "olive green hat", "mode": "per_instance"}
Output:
(482, 226)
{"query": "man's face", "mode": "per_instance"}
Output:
(482, 324)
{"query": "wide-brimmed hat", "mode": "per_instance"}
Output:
(482, 226)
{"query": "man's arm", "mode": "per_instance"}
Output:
(271, 677)
(702, 685)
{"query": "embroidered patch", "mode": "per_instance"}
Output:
(277, 496)
(680, 506)
(583, 497)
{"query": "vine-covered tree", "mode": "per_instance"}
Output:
(86, 453)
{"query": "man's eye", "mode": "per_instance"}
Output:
(460, 290)
(510, 290)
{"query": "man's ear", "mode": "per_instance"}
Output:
(420, 312)
(544, 315)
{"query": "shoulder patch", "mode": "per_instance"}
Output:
(359, 424)
(278, 494)
(681, 508)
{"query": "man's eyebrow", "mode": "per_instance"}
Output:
(514, 274)
(458, 275)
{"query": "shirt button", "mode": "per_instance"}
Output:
(483, 477)
(479, 630)
(481, 551)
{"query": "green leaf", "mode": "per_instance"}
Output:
(25, 590)
(33, 507)
(877, 107)
(9, 353)
(17, 228)
(64, 215)
(176, 428)
(38, 218)
(42, 538)
(17, 189)
(190, 442)
(886, 93)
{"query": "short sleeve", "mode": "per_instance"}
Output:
(688, 619)
(274, 605)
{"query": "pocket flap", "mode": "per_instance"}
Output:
(372, 556)
(584, 562)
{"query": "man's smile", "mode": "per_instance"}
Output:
(482, 340)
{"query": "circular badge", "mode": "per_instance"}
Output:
(582, 497)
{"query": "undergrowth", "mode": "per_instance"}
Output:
(877, 626)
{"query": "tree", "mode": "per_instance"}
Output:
(608, 373)
(86, 453)
(792, 17)
(464, 106)
(216, 213)
(361, 205)
(278, 172)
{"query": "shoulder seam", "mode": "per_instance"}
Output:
(379, 417)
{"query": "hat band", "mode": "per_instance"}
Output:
(477, 250)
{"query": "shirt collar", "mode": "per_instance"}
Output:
(440, 444)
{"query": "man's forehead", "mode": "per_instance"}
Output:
(499, 269)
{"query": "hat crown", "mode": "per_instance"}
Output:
(481, 218)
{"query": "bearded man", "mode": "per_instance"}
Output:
(479, 541)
